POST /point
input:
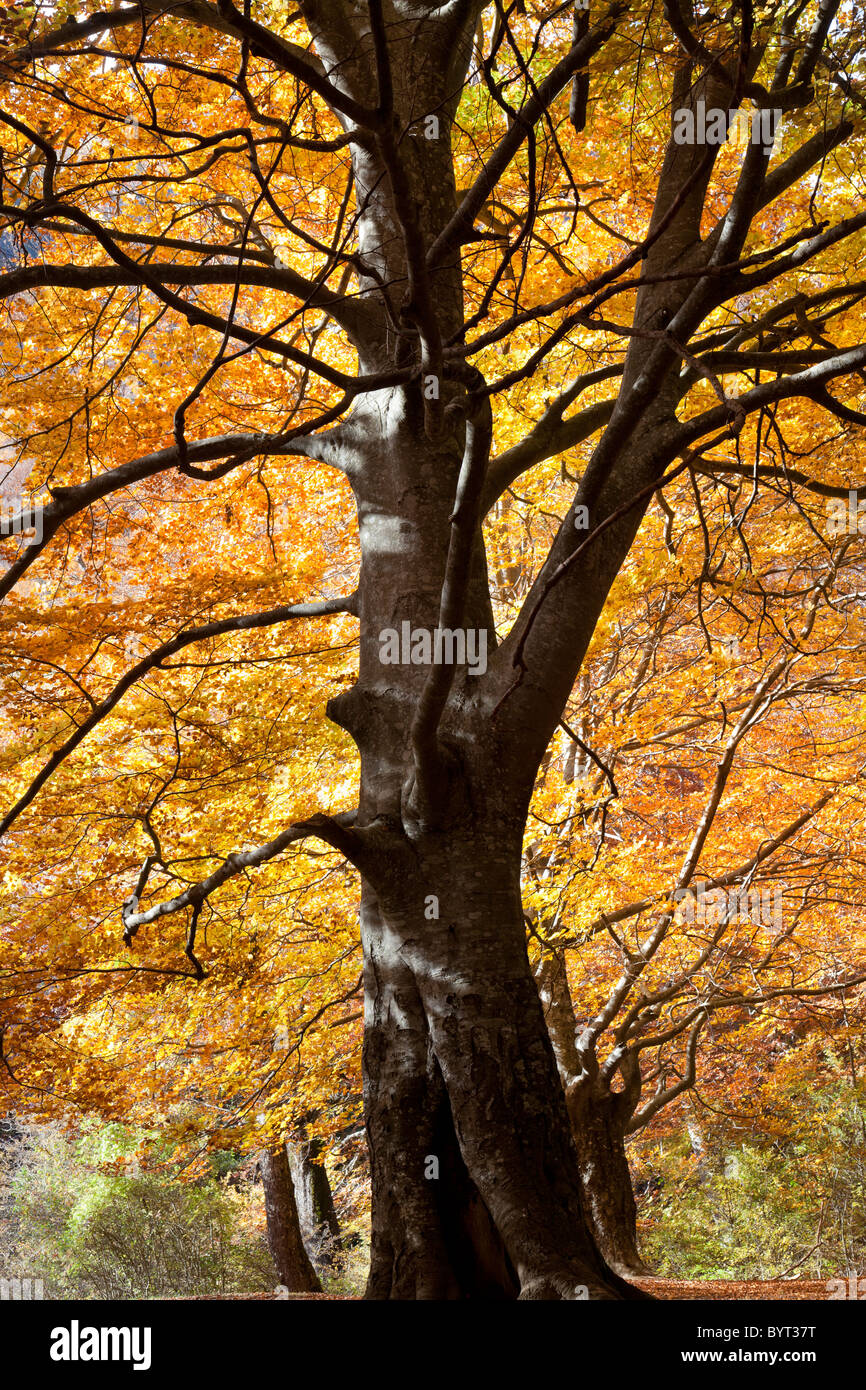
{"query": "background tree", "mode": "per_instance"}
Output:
(741, 743)
(285, 1240)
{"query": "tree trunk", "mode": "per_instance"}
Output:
(598, 1117)
(315, 1201)
(475, 1178)
(284, 1231)
(475, 1184)
(606, 1180)
(324, 1211)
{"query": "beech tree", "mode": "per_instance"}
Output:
(285, 1239)
(315, 1200)
(725, 941)
(380, 189)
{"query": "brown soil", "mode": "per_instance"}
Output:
(726, 1289)
(732, 1289)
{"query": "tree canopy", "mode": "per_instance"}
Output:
(534, 321)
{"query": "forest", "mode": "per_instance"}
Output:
(432, 613)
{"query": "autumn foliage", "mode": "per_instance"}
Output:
(178, 217)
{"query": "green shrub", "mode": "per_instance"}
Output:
(92, 1227)
(758, 1210)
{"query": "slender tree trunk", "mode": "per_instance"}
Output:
(324, 1210)
(315, 1200)
(606, 1179)
(284, 1231)
(598, 1117)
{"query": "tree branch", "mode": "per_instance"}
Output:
(351, 314)
(529, 114)
(236, 448)
(452, 604)
(336, 831)
(152, 661)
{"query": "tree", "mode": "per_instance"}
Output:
(284, 1230)
(315, 1200)
(312, 163)
(728, 941)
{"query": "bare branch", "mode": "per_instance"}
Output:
(152, 661)
(334, 830)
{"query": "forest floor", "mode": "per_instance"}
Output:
(735, 1289)
(726, 1289)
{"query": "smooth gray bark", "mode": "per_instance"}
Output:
(317, 1214)
(284, 1231)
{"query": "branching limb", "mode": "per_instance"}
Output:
(665, 1094)
(336, 831)
(350, 313)
(235, 449)
(464, 527)
(152, 661)
(145, 275)
(528, 116)
(551, 435)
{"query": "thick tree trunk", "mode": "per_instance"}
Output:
(284, 1231)
(475, 1180)
(433, 1236)
(598, 1118)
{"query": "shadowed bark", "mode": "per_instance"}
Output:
(598, 1121)
(284, 1231)
(317, 1214)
